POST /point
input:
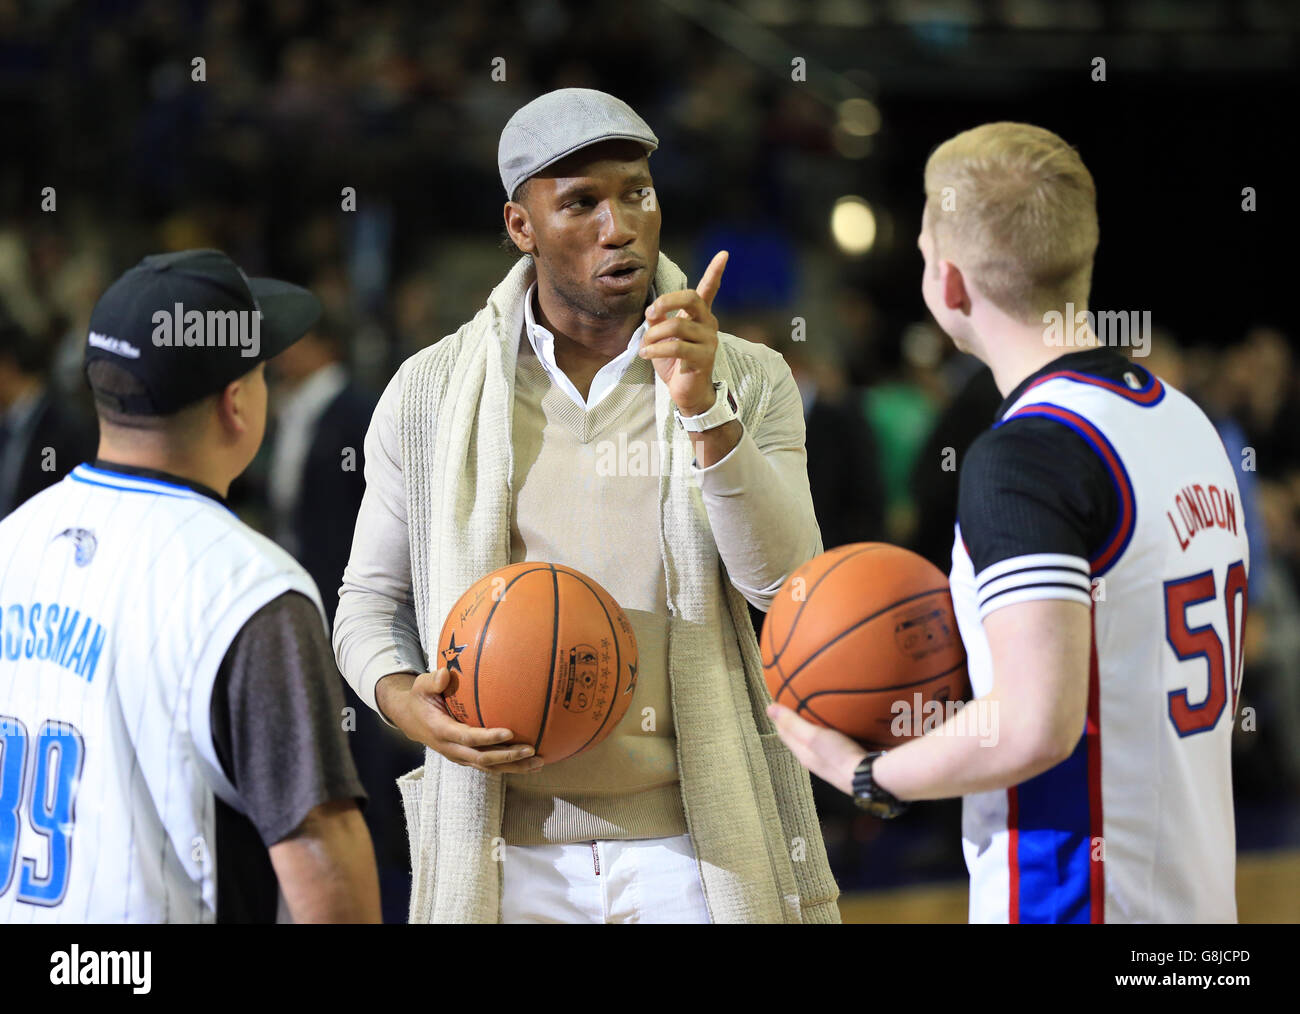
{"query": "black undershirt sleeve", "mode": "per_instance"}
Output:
(1032, 486)
(277, 718)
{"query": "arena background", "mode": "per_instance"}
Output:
(792, 134)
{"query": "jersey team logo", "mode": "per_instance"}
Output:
(84, 540)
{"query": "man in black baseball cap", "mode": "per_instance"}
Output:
(184, 325)
(175, 356)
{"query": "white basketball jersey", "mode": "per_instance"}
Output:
(1137, 824)
(119, 597)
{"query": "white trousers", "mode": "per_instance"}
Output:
(645, 880)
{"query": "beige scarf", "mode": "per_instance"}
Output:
(748, 803)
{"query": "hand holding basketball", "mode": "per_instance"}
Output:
(542, 649)
(828, 754)
(862, 637)
(415, 705)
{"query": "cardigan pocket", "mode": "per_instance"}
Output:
(411, 787)
(802, 830)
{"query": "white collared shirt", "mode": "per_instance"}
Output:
(606, 378)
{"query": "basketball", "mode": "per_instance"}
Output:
(544, 651)
(857, 630)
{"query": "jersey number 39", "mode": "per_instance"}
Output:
(57, 762)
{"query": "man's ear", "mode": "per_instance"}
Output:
(955, 294)
(232, 411)
(518, 227)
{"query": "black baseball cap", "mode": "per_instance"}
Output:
(186, 324)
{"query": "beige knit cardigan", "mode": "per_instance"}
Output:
(748, 803)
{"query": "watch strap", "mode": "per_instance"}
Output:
(724, 409)
(869, 796)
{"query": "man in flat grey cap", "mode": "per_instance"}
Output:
(591, 414)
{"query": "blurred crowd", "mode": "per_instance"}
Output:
(120, 144)
(246, 127)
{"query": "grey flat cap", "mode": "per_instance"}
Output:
(559, 123)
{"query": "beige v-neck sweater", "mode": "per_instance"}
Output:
(584, 495)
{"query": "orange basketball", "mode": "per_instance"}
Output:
(858, 631)
(541, 650)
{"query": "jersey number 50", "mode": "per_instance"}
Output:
(58, 757)
(1203, 642)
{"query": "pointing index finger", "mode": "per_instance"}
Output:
(712, 280)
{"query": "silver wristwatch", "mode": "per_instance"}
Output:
(723, 411)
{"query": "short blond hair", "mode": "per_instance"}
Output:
(1014, 207)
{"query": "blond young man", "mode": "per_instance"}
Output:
(1098, 576)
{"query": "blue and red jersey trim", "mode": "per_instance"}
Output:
(1148, 395)
(1055, 826)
